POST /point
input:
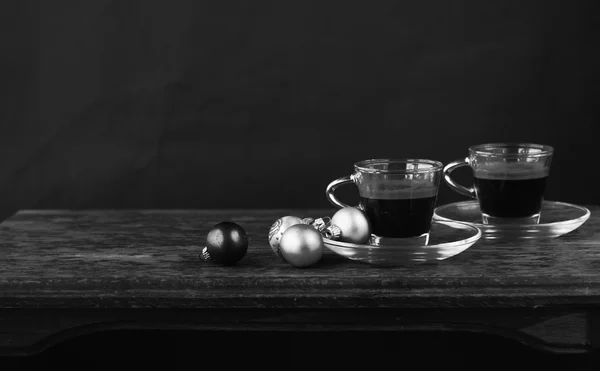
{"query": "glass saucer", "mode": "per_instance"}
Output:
(446, 239)
(557, 219)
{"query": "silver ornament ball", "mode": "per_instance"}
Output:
(302, 245)
(277, 230)
(351, 225)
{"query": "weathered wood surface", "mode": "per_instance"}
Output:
(150, 259)
(63, 273)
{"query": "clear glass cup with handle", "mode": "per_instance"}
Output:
(509, 180)
(398, 196)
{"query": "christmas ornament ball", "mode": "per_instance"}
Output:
(277, 230)
(226, 243)
(302, 245)
(353, 225)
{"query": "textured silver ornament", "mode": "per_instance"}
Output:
(204, 255)
(278, 228)
(333, 232)
(275, 228)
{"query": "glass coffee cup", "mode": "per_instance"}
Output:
(509, 180)
(398, 196)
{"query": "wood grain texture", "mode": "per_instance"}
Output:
(64, 273)
(150, 259)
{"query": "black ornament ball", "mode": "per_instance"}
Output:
(226, 243)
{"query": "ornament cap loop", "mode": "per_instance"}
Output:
(308, 221)
(333, 232)
(204, 255)
(321, 223)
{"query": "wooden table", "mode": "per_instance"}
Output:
(64, 273)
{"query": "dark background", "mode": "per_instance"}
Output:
(235, 104)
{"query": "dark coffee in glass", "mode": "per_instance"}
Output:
(403, 210)
(509, 180)
(397, 195)
(511, 190)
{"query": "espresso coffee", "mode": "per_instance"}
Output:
(401, 209)
(511, 190)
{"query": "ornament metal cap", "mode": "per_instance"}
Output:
(308, 221)
(204, 255)
(321, 223)
(333, 232)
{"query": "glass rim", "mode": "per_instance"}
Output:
(366, 166)
(485, 149)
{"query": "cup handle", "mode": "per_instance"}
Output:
(331, 188)
(448, 169)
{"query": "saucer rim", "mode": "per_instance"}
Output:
(478, 234)
(582, 219)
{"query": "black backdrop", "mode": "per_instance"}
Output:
(227, 104)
